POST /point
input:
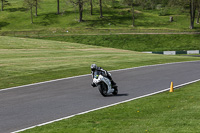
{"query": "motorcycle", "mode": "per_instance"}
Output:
(104, 84)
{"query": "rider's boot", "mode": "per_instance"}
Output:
(113, 83)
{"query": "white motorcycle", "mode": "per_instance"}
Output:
(104, 84)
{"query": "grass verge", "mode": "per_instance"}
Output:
(25, 61)
(135, 42)
(165, 112)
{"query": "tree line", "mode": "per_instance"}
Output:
(192, 5)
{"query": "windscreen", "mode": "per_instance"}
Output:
(96, 74)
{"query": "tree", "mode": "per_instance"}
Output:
(100, 5)
(79, 3)
(91, 7)
(133, 15)
(29, 4)
(36, 7)
(198, 11)
(1, 5)
(80, 10)
(4, 3)
(58, 7)
(131, 4)
(192, 12)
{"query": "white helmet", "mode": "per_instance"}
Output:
(93, 67)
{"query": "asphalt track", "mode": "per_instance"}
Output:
(27, 106)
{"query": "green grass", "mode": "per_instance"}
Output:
(24, 61)
(176, 112)
(16, 18)
(136, 42)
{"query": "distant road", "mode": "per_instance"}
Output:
(31, 105)
(192, 55)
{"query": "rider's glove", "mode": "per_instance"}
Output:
(93, 84)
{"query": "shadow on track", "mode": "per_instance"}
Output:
(118, 95)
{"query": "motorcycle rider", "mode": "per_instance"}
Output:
(103, 72)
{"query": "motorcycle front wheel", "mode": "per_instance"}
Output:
(103, 89)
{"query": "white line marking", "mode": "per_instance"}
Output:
(89, 74)
(106, 106)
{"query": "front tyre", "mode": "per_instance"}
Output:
(103, 89)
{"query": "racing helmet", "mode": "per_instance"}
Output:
(93, 67)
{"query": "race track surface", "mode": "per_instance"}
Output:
(28, 106)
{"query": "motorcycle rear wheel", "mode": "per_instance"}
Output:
(115, 92)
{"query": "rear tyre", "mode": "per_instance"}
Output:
(115, 92)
